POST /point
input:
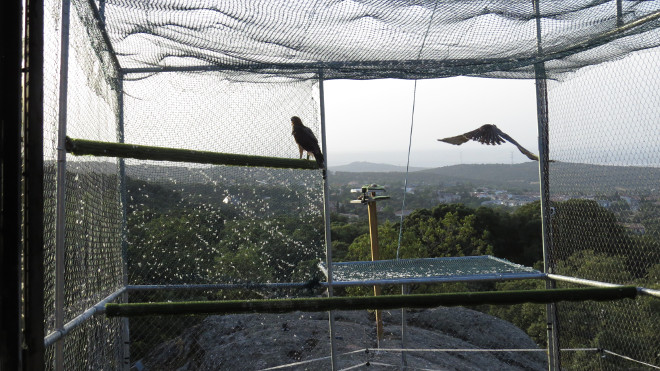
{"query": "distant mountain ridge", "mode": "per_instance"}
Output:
(526, 172)
(564, 177)
(370, 167)
(567, 178)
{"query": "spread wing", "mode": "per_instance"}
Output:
(488, 134)
(522, 149)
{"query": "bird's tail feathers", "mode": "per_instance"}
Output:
(319, 159)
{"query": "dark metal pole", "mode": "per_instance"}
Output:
(619, 13)
(10, 182)
(60, 217)
(123, 199)
(33, 231)
(405, 290)
(326, 217)
(543, 143)
(101, 10)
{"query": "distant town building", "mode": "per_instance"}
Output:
(232, 200)
(448, 198)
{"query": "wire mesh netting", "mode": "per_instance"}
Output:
(196, 225)
(247, 213)
(227, 77)
(604, 123)
(430, 269)
(51, 109)
(373, 39)
(92, 258)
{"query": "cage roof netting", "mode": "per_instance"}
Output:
(377, 38)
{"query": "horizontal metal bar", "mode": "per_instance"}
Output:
(324, 304)
(493, 350)
(77, 321)
(582, 281)
(335, 65)
(397, 281)
(223, 286)
(443, 279)
(83, 147)
(393, 281)
(418, 260)
(605, 351)
(650, 292)
(467, 350)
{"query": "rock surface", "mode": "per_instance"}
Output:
(300, 341)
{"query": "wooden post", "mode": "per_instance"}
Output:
(375, 255)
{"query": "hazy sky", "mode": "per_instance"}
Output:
(370, 120)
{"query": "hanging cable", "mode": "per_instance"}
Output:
(412, 122)
(405, 183)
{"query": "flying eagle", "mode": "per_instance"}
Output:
(488, 134)
(306, 140)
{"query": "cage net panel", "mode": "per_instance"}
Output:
(193, 225)
(52, 27)
(603, 131)
(371, 39)
(92, 249)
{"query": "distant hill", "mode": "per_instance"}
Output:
(565, 178)
(524, 173)
(370, 167)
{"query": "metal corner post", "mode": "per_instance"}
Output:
(60, 220)
(33, 173)
(123, 201)
(326, 217)
(10, 186)
(543, 144)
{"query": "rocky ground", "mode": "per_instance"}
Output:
(289, 341)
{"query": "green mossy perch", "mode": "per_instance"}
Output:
(82, 147)
(369, 302)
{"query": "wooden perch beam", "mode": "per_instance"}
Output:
(81, 147)
(369, 302)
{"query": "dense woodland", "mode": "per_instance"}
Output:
(181, 237)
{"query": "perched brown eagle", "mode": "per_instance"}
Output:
(306, 140)
(488, 134)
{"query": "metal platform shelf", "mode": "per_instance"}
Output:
(430, 270)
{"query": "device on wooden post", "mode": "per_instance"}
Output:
(370, 194)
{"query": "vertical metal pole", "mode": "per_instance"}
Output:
(60, 220)
(619, 13)
(326, 215)
(10, 186)
(543, 143)
(102, 10)
(404, 330)
(123, 199)
(33, 174)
